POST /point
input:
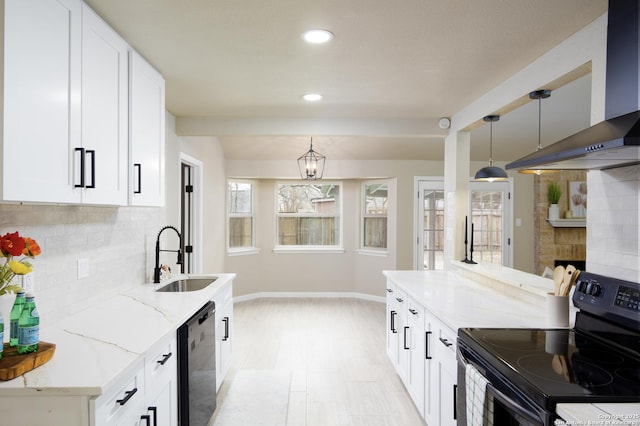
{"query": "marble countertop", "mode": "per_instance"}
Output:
(460, 301)
(95, 346)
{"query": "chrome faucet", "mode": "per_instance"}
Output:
(156, 270)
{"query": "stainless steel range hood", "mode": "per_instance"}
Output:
(614, 142)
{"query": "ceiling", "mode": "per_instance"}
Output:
(389, 63)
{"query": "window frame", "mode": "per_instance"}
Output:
(338, 248)
(378, 251)
(241, 250)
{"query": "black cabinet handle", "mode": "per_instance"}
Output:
(92, 153)
(226, 328)
(127, 396)
(405, 338)
(426, 345)
(81, 185)
(455, 395)
(139, 167)
(393, 323)
(389, 290)
(413, 311)
(165, 358)
(147, 419)
(154, 412)
(445, 342)
(399, 299)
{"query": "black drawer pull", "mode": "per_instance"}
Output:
(426, 345)
(154, 411)
(139, 167)
(399, 299)
(389, 290)
(405, 338)
(393, 323)
(226, 328)
(165, 358)
(127, 396)
(147, 419)
(445, 342)
(413, 311)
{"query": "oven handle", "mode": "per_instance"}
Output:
(530, 416)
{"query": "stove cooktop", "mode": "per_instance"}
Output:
(554, 366)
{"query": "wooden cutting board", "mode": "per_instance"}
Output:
(14, 364)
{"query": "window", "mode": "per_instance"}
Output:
(374, 216)
(308, 215)
(240, 211)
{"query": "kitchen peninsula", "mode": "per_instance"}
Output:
(434, 318)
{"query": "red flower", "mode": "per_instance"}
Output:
(31, 248)
(11, 244)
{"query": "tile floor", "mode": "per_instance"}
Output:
(335, 352)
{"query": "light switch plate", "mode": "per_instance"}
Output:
(83, 268)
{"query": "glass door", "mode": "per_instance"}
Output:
(490, 208)
(430, 225)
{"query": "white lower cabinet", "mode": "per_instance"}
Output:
(423, 351)
(123, 402)
(161, 383)
(224, 332)
(147, 395)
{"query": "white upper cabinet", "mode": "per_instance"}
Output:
(104, 112)
(71, 116)
(42, 66)
(147, 130)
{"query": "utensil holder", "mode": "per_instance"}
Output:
(557, 311)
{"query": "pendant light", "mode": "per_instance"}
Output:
(311, 164)
(491, 173)
(539, 95)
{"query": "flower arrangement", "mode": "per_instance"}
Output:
(12, 246)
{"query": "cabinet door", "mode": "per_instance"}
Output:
(42, 66)
(431, 385)
(224, 342)
(161, 383)
(448, 391)
(415, 384)
(147, 118)
(104, 112)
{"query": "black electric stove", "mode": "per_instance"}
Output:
(531, 370)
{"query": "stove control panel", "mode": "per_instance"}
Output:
(608, 297)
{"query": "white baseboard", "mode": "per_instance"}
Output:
(302, 294)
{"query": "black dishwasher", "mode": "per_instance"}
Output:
(197, 368)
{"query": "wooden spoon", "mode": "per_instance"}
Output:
(569, 273)
(558, 277)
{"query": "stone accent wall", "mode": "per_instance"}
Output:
(551, 243)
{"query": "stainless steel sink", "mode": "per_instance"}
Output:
(188, 284)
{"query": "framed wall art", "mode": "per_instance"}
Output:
(578, 198)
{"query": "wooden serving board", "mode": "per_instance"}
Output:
(14, 364)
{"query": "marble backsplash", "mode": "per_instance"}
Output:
(118, 241)
(612, 222)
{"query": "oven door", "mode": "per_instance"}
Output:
(506, 405)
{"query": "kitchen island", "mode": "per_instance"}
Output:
(98, 347)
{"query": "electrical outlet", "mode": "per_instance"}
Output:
(83, 268)
(27, 282)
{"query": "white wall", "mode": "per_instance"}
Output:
(612, 223)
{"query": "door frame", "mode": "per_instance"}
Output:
(197, 197)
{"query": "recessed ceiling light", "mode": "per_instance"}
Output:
(312, 97)
(317, 36)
